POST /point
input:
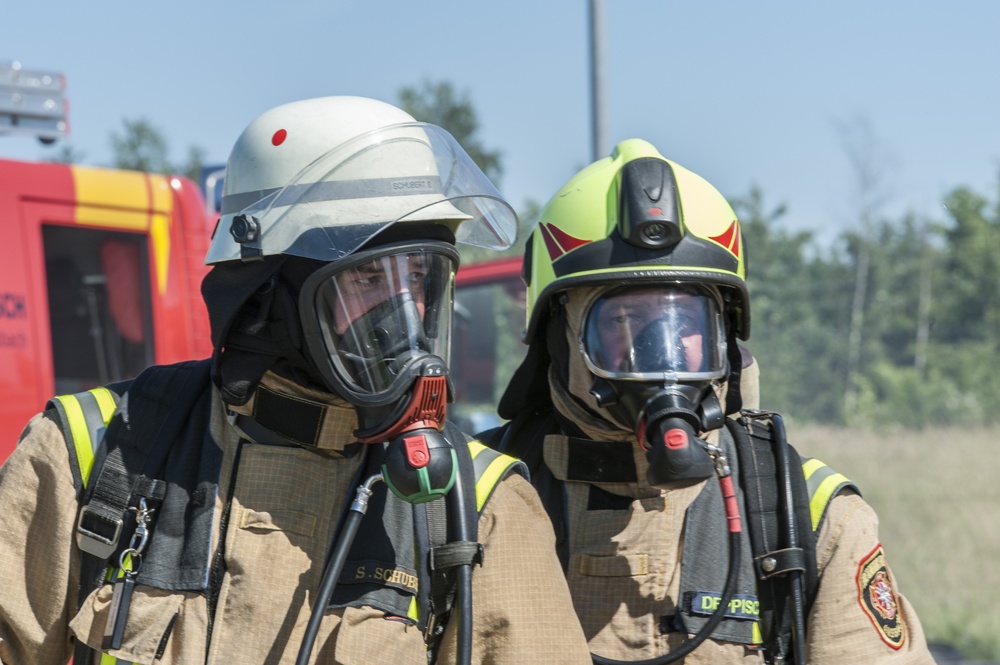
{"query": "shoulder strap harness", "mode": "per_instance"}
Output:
(87, 421)
(777, 561)
(812, 491)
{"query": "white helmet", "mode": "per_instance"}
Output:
(319, 178)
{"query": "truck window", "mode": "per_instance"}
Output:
(486, 349)
(99, 305)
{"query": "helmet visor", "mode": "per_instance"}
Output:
(411, 172)
(662, 332)
(368, 323)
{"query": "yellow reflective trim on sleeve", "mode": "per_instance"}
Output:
(491, 475)
(810, 466)
(80, 433)
(822, 496)
(755, 635)
(822, 482)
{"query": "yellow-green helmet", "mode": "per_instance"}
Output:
(636, 217)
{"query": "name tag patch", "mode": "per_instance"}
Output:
(376, 572)
(742, 607)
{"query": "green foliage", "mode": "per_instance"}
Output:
(931, 324)
(439, 104)
(66, 154)
(142, 147)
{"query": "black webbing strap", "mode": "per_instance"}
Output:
(445, 553)
(773, 559)
(143, 425)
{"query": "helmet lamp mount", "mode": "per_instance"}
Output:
(245, 230)
(648, 215)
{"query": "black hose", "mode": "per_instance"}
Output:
(340, 550)
(706, 630)
(463, 572)
(788, 502)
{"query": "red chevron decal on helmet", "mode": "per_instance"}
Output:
(730, 238)
(558, 242)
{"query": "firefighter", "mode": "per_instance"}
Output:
(666, 497)
(191, 520)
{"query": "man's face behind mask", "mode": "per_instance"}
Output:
(376, 315)
(654, 332)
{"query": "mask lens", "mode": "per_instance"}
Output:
(653, 332)
(377, 317)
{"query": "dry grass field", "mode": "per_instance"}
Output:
(937, 493)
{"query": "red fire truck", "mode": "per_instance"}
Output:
(100, 277)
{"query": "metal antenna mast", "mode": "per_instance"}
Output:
(598, 85)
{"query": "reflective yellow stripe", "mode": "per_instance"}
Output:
(491, 475)
(823, 482)
(80, 433)
(80, 429)
(755, 636)
(414, 612)
(106, 402)
(111, 660)
(817, 504)
(809, 467)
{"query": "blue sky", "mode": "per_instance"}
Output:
(744, 93)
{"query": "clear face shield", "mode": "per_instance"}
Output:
(370, 320)
(412, 172)
(663, 333)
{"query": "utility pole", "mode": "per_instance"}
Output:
(598, 83)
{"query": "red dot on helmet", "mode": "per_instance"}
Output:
(279, 137)
(654, 212)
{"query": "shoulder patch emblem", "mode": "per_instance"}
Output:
(878, 599)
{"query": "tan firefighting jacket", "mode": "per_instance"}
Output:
(624, 575)
(285, 506)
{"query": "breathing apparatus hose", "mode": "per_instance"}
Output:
(333, 568)
(458, 519)
(788, 501)
(735, 528)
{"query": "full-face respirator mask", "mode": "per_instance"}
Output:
(656, 352)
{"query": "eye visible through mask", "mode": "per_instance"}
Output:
(368, 322)
(645, 332)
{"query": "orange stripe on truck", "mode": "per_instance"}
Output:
(129, 201)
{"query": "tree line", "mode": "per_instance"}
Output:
(918, 299)
(895, 323)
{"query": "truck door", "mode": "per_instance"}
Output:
(99, 305)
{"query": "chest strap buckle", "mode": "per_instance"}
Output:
(96, 533)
